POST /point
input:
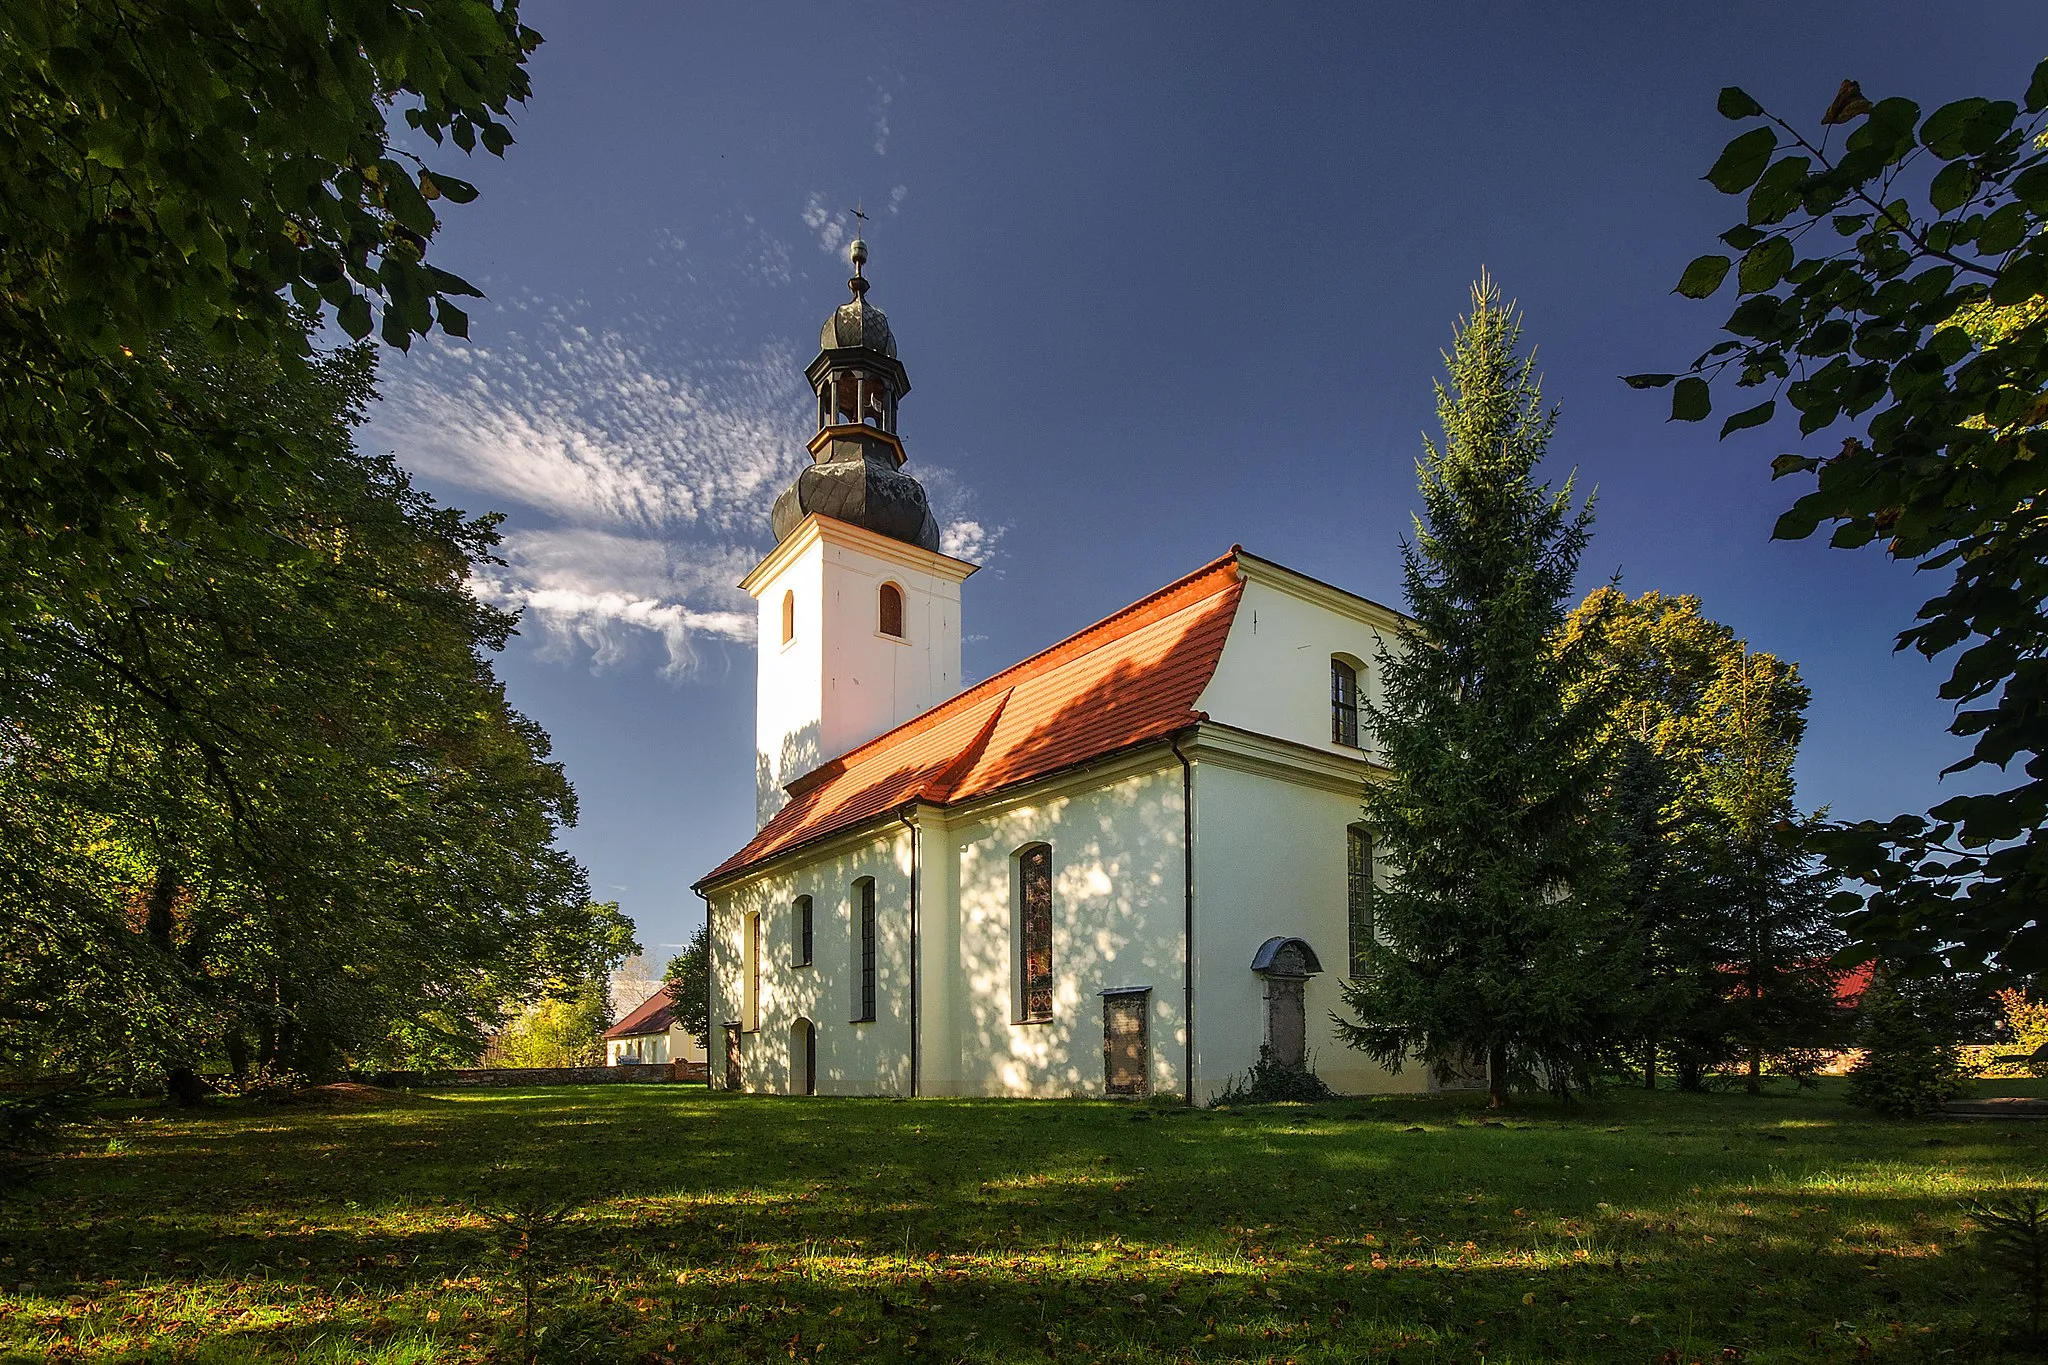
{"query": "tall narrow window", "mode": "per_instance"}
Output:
(752, 952)
(864, 949)
(1034, 922)
(800, 932)
(1343, 703)
(1358, 880)
(890, 610)
(788, 617)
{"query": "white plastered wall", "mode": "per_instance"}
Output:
(1274, 674)
(676, 1045)
(1270, 860)
(839, 681)
(853, 1058)
(1118, 914)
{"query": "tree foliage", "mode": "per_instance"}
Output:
(205, 168)
(1497, 943)
(1911, 1065)
(1891, 292)
(1729, 913)
(556, 1030)
(688, 979)
(263, 801)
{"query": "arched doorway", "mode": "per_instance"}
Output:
(1286, 964)
(803, 1057)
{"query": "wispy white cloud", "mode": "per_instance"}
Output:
(884, 97)
(827, 223)
(638, 473)
(964, 532)
(896, 198)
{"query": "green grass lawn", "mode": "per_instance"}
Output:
(709, 1228)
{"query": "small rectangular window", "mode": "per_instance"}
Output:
(1343, 703)
(1126, 1046)
(800, 933)
(1358, 877)
(864, 915)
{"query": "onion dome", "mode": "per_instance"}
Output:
(856, 473)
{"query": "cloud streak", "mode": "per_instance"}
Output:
(637, 470)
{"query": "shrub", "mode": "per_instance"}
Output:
(2013, 1235)
(1268, 1082)
(2026, 1019)
(1912, 1064)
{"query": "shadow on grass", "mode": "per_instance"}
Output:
(718, 1227)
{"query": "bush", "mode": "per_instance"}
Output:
(1268, 1082)
(2013, 1237)
(2026, 1019)
(1913, 1065)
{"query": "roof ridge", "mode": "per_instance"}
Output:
(981, 691)
(942, 786)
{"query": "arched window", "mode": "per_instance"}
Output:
(889, 602)
(788, 617)
(864, 950)
(800, 932)
(1343, 703)
(1034, 933)
(1358, 888)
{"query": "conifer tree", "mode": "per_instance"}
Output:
(1496, 937)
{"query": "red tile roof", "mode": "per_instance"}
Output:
(655, 1015)
(1129, 679)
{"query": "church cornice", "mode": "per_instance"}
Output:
(1249, 751)
(818, 528)
(1298, 584)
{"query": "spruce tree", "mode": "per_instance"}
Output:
(1496, 937)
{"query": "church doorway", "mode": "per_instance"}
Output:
(803, 1057)
(1126, 1041)
(732, 1056)
(1286, 964)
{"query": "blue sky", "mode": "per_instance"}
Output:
(1165, 278)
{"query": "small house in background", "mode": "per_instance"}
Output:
(651, 1035)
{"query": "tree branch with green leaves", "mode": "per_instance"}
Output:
(1891, 294)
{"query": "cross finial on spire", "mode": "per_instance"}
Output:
(857, 252)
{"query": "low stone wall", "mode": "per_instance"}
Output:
(632, 1073)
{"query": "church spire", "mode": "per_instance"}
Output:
(857, 457)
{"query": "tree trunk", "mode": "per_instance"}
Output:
(1754, 1082)
(1650, 1066)
(181, 1082)
(238, 1052)
(1497, 1077)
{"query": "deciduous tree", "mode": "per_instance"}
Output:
(204, 167)
(1891, 292)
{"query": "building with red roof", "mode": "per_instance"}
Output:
(1120, 866)
(651, 1033)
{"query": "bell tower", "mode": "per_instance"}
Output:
(859, 612)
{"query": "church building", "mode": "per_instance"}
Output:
(1118, 867)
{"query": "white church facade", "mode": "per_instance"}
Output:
(1119, 867)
